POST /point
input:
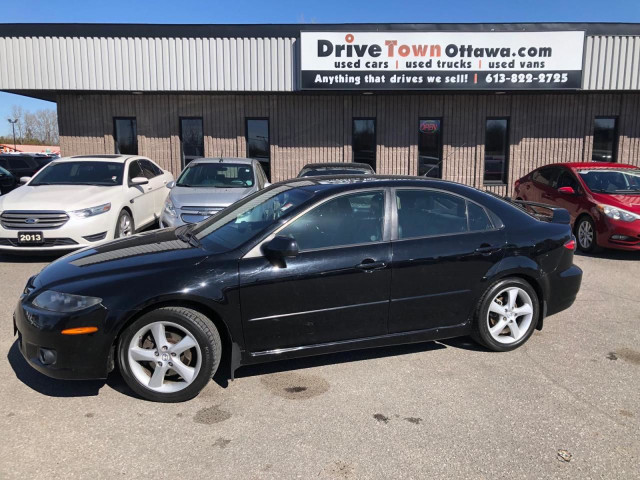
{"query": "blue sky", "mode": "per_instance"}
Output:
(292, 11)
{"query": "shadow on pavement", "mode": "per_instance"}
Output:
(50, 386)
(30, 257)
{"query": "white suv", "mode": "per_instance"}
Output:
(81, 201)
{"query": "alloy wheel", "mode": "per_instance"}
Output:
(125, 226)
(585, 234)
(510, 315)
(164, 357)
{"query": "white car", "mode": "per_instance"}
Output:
(81, 201)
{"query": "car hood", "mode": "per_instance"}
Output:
(131, 256)
(630, 203)
(207, 197)
(56, 197)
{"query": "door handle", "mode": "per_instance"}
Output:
(485, 249)
(546, 195)
(369, 265)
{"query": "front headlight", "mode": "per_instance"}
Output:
(90, 212)
(618, 213)
(169, 208)
(64, 302)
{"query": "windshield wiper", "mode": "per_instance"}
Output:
(186, 234)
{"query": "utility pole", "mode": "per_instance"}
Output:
(13, 126)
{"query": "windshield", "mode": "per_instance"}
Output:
(247, 218)
(620, 180)
(333, 171)
(104, 174)
(217, 175)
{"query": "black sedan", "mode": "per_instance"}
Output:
(304, 267)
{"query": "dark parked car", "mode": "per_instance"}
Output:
(602, 198)
(346, 168)
(7, 181)
(24, 165)
(303, 267)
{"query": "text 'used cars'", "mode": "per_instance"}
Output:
(303, 267)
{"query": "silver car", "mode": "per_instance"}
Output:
(207, 185)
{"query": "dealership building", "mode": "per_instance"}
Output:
(481, 104)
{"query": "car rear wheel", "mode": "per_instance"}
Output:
(124, 227)
(169, 354)
(586, 235)
(507, 315)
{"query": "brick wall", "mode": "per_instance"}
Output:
(544, 127)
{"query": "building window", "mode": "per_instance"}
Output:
(496, 151)
(364, 141)
(125, 135)
(430, 147)
(258, 142)
(605, 139)
(191, 139)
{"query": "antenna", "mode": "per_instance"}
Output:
(440, 162)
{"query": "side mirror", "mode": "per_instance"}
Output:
(139, 181)
(280, 248)
(171, 184)
(567, 190)
(24, 180)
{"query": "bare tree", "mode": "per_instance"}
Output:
(36, 127)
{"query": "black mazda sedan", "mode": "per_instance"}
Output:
(304, 267)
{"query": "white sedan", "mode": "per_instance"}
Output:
(81, 201)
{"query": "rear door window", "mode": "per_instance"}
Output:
(546, 176)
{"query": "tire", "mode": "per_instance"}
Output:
(191, 341)
(584, 227)
(493, 329)
(124, 219)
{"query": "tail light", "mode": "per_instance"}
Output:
(571, 244)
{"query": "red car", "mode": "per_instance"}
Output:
(602, 198)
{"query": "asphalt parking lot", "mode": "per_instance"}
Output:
(432, 410)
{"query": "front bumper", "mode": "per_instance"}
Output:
(618, 234)
(74, 234)
(75, 357)
(169, 221)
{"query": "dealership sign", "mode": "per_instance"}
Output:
(441, 60)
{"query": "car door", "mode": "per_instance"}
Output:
(443, 246)
(158, 182)
(572, 202)
(142, 201)
(19, 166)
(335, 289)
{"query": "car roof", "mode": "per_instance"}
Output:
(338, 164)
(97, 158)
(590, 165)
(240, 160)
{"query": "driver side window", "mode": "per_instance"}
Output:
(135, 170)
(342, 221)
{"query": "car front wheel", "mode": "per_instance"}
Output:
(169, 354)
(506, 315)
(124, 227)
(586, 235)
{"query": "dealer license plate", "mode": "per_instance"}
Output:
(30, 238)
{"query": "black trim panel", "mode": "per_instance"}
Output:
(291, 30)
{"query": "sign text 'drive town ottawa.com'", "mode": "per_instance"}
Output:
(441, 60)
